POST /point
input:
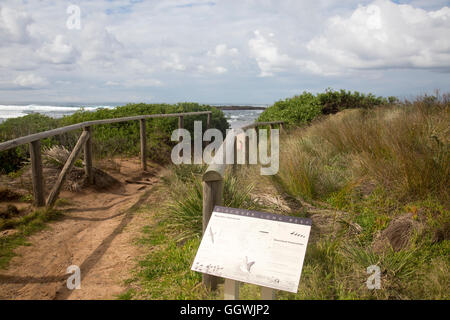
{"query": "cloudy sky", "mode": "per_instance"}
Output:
(219, 51)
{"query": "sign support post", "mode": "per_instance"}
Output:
(267, 293)
(231, 290)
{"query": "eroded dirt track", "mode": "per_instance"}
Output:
(95, 233)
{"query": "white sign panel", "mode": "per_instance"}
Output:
(254, 247)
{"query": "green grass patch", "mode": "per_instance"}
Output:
(25, 227)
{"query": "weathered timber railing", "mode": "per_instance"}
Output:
(85, 141)
(213, 180)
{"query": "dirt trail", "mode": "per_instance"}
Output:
(96, 233)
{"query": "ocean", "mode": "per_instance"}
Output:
(236, 118)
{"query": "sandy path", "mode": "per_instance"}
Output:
(96, 234)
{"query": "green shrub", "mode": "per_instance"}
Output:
(12, 160)
(123, 137)
(297, 110)
(302, 109)
(335, 101)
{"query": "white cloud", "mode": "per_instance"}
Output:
(112, 83)
(174, 63)
(267, 55)
(132, 83)
(220, 70)
(100, 48)
(60, 51)
(270, 60)
(30, 81)
(211, 69)
(386, 35)
(14, 25)
(218, 61)
(222, 50)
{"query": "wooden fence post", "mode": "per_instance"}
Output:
(88, 156)
(53, 196)
(36, 173)
(208, 121)
(212, 196)
(143, 145)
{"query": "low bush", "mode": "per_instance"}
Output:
(302, 109)
(13, 159)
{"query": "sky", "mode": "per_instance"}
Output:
(230, 51)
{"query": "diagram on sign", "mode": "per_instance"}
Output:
(254, 247)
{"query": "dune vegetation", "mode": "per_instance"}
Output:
(374, 180)
(388, 169)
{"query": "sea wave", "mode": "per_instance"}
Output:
(15, 111)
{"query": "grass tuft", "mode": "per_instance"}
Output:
(25, 227)
(184, 210)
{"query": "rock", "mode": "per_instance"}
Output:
(6, 233)
(8, 195)
(398, 233)
(8, 211)
(325, 224)
(103, 180)
(442, 233)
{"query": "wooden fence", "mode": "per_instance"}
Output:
(213, 196)
(85, 141)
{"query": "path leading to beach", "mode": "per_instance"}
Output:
(96, 233)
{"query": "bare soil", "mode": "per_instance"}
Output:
(96, 233)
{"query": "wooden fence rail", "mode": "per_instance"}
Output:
(213, 180)
(85, 141)
(46, 134)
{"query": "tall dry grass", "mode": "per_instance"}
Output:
(403, 149)
(185, 199)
